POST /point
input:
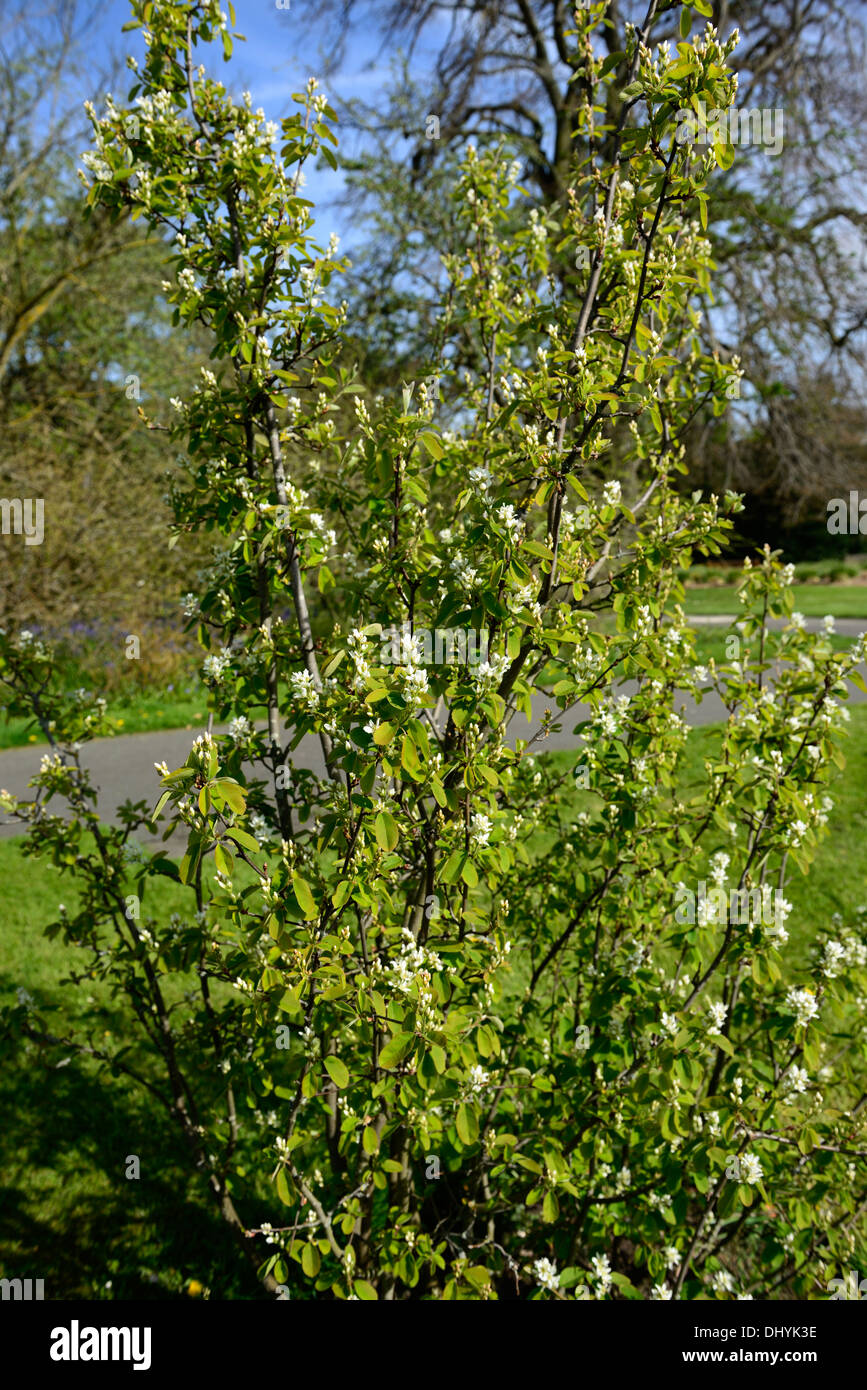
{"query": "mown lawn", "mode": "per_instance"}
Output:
(813, 600)
(837, 881)
(132, 714)
(68, 1214)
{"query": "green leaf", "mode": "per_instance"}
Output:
(365, 1291)
(685, 22)
(223, 860)
(242, 838)
(334, 663)
(232, 793)
(451, 871)
(385, 830)
(370, 1140)
(181, 774)
(467, 1124)
(433, 444)
(470, 874)
(337, 1071)
(550, 1207)
(190, 862)
(290, 1001)
(310, 1260)
(409, 759)
(341, 893)
(383, 734)
(301, 889)
(396, 1049)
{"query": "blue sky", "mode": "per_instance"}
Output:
(281, 51)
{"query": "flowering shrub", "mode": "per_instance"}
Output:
(449, 1028)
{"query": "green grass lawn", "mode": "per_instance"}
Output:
(837, 881)
(813, 600)
(67, 1212)
(710, 643)
(133, 714)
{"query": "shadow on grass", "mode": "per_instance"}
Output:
(68, 1213)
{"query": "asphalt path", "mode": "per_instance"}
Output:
(123, 767)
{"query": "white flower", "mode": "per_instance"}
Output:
(796, 1080)
(601, 1270)
(661, 1291)
(510, 521)
(546, 1274)
(718, 865)
(828, 622)
(672, 1257)
(717, 1016)
(414, 681)
(240, 728)
(801, 1003)
(477, 1080)
(750, 1168)
(217, 663)
(305, 692)
(611, 493)
(835, 954)
(669, 1024)
(480, 478)
(723, 1281)
(798, 831)
(480, 830)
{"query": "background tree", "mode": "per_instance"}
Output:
(791, 232)
(83, 341)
